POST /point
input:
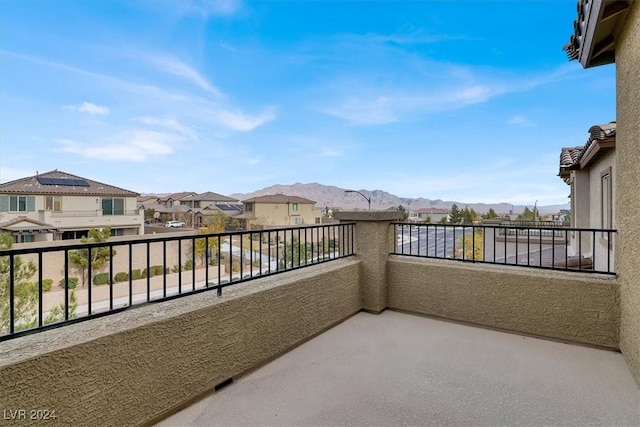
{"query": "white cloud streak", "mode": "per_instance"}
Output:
(242, 122)
(178, 68)
(520, 120)
(89, 108)
(131, 146)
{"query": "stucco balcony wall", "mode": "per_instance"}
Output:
(553, 304)
(132, 367)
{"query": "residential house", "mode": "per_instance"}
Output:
(175, 199)
(57, 205)
(203, 200)
(434, 214)
(590, 171)
(275, 210)
(606, 32)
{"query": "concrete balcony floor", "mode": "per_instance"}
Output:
(399, 369)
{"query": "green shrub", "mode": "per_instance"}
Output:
(121, 277)
(101, 279)
(188, 265)
(175, 269)
(157, 270)
(144, 274)
(73, 283)
(47, 284)
(136, 274)
(235, 266)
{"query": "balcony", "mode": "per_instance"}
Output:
(344, 320)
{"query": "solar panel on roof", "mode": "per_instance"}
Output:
(69, 182)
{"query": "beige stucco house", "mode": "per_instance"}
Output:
(277, 210)
(421, 215)
(590, 171)
(609, 32)
(58, 206)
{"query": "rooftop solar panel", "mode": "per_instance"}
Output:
(69, 182)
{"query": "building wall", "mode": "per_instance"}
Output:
(628, 196)
(559, 305)
(602, 244)
(282, 214)
(129, 368)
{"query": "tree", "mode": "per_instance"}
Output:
(79, 259)
(469, 216)
(455, 215)
(215, 223)
(25, 293)
(527, 215)
(149, 213)
(470, 246)
(427, 220)
(490, 215)
(295, 254)
(403, 211)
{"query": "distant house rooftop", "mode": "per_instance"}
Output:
(278, 198)
(59, 182)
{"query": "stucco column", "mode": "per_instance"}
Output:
(373, 241)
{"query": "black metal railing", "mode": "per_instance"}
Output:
(46, 287)
(557, 248)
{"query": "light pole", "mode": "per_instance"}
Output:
(368, 199)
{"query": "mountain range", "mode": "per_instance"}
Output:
(335, 197)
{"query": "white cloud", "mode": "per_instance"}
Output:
(520, 121)
(332, 152)
(243, 122)
(207, 8)
(133, 146)
(89, 108)
(412, 36)
(169, 124)
(178, 68)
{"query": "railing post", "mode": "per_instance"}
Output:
(373, 241)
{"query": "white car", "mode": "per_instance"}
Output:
(175, 224)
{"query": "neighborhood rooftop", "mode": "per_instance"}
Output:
(59, 182)
(278, 198)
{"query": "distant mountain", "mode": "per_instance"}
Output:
(335, 197)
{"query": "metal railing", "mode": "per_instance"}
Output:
(557, 248)
(97, 279)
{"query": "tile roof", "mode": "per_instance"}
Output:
(32, 185)
(593, 40)
(209, 195)
(178, 196)
(278, 198)
(12, 225)
(432, 211)
(570, 157)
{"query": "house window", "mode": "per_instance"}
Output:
(117, 232)
(25, 238)
(112, 206)
(53, 203)
(248, 207)
(299, 220)
(294, 207)
(17, 204)
(606, 199)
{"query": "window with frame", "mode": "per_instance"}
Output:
(53, 203)
(248, 207)
(294, 207)
(606, 199)
(299, 220)
(117, 232)
(17, 203)
(112, 206)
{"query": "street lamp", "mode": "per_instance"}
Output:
(367, 198)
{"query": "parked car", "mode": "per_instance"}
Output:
(175, 224)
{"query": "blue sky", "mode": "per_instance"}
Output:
(458, 100)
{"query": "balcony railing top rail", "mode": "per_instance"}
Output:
(586, 250)
(103, 278)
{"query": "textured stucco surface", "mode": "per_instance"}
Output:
(558, 305)
(628, 195)
(373, 239)
(126, 369)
